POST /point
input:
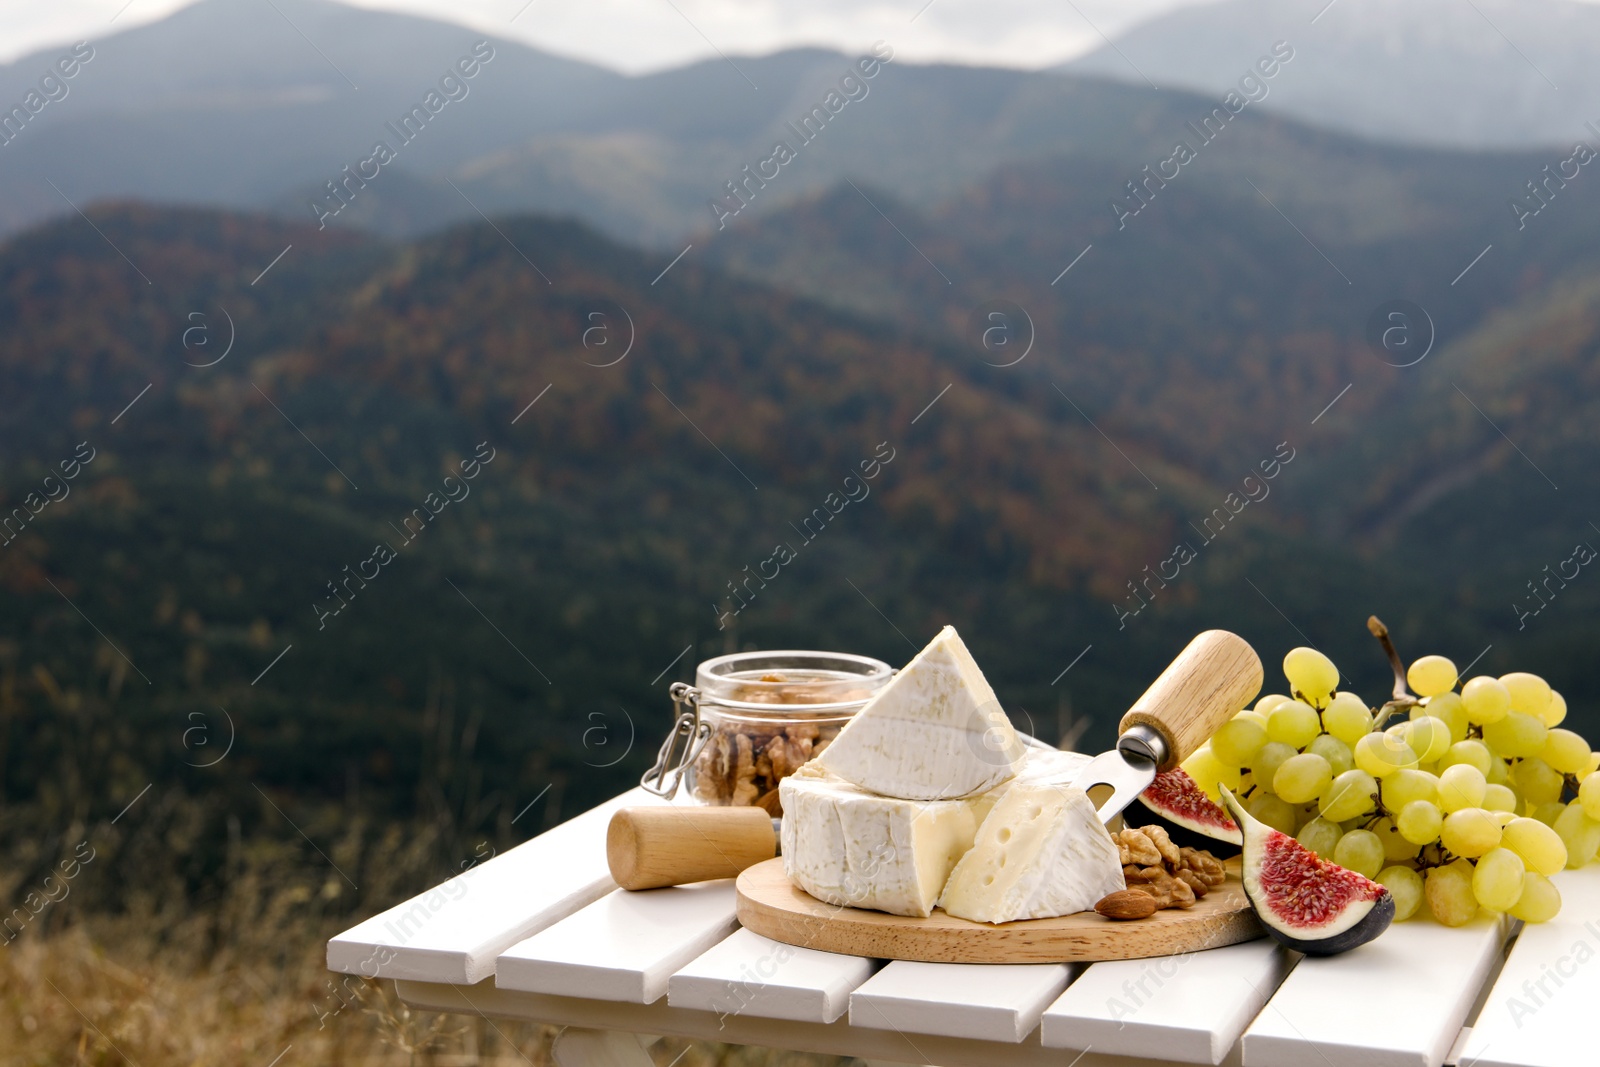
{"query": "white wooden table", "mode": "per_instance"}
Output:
(542, 933)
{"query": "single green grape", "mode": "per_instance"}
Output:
(1530, 694)
(1396, 849)
(1487, 699)
(1335, 751)
(1497, 881)
(1349, 796)
(1405, 885)
(1419, 822)
(1516, 736)
(1429, 737)
(1556, 711)
(1540, 847)
(1302, 778)
(1404, 786)
(1566, 751)
(1311, 674)
(1253, 716)
(1347, 717)
(1579, 833)
(1499, 771)
(1320, 836)
(1237, 742)
(1450, 709)
(1473, 753)
(1547, 812)
(1470, 832)
(1449, 894)
(1498, 797)
(1539, 901)
(1589, 795)
(1269, 701)
(1431, 675)
(1274, 811)
(1360, 851)
(1204, 767)
(1461, 785)
(1381, 754)
(1294, 723)
(1537, 781)
(1268, 760)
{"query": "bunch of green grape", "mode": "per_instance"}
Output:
(1463, 800)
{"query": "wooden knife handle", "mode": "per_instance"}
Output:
(1214, 677)
(648, 848)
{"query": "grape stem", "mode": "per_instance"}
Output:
(1403, 697)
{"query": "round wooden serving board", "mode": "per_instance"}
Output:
(772, 906)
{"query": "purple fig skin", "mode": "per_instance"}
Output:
(1370, 926)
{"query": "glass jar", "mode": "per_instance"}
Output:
(752, 718)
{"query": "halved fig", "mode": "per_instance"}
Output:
(1307, 903)
(1181, 803)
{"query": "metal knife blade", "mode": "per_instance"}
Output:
(1123, 773)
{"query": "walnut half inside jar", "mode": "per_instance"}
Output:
(769, 713)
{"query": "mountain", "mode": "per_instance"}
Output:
(1489, 74)
(279, 100)
(621, 509)
(1247, 283)
(249, 106)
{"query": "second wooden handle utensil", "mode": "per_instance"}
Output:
(651, 847)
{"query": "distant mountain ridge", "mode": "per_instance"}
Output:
(226, 103)
(1491, 74)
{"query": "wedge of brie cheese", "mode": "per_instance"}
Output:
(846, 846)
(1040, 766)
(1042, 851)
(935, 732)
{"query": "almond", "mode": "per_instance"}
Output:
(1127, 904)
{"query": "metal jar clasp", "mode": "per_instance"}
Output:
(683, 745)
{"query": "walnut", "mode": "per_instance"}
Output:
(1206, 866)
(1133, 875)
(1182, 895)
(1159, 887)
(745, 789)
(1141, 849)
(1194, 882)
(1158, 837)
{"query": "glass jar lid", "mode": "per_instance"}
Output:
(789, 683)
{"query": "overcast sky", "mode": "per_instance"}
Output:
(643, 35)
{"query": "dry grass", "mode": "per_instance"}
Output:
(124, 969)
(113, 992)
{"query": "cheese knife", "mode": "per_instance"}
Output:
(1213, 677)
(1216, 675)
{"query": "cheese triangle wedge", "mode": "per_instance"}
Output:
(1040, 853)
(935, 732)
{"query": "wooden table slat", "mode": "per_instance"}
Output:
(1541, 1010)
(748, 974)
(1187, 1009)
(994, 1002)
(624, 946)
(1396, 1002)
(454, 932)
